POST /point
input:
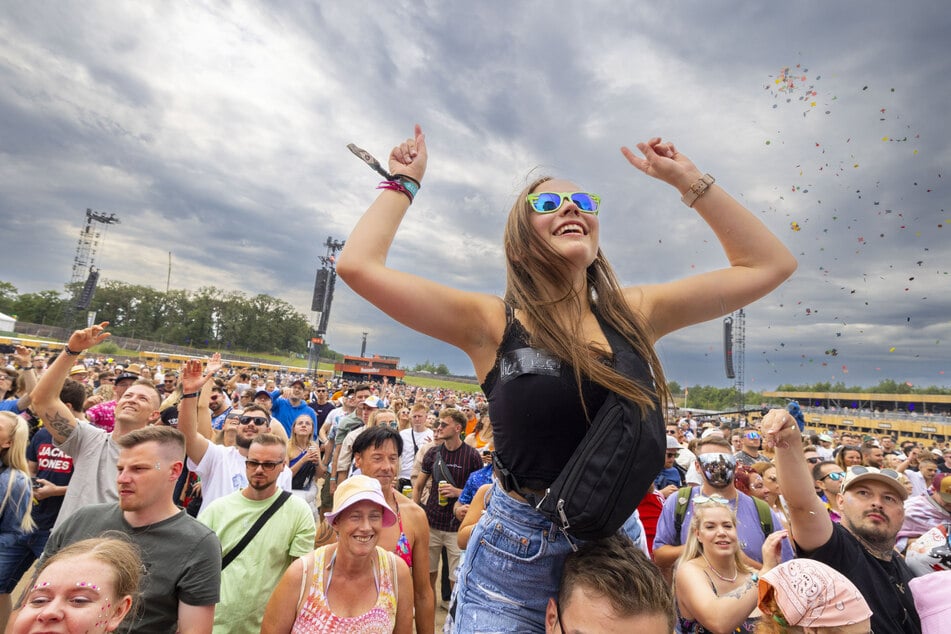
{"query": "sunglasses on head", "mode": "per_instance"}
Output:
(861, 470)
(252, 420)
(550, 202)
(710, 499)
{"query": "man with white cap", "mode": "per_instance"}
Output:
(862, 545)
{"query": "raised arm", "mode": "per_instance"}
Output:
(759, 262)
(192, 382)
(460, 318)
(204, 397)
(46, 403)
(23, 357)
(810, 524)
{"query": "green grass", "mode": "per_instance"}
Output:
(425, 381)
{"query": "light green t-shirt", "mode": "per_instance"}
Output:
(247, 583)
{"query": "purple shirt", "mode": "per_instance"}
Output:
(748, 528)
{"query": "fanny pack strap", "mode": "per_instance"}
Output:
(508, 479)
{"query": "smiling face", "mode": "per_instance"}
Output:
(716, 530)
(358, 528)
(71, 596)
(851, 457)
(137, 407)
(568, 231)
(382, 463)
(255, 423)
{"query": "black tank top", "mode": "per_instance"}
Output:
(537, 417)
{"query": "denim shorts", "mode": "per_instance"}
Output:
(17, 554)
(512, 566)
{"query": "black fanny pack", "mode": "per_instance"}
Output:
(614, 465)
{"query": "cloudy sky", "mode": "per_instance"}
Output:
(217, 131)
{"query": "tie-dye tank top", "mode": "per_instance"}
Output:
(315, 614)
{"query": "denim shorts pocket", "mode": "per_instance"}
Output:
(516, 543)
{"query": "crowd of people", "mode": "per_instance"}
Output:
(207, 500)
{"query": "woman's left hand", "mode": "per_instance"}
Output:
(773, 550)
(662, 161)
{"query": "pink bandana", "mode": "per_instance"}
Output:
(811, 594)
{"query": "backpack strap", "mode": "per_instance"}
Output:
(765, 516)
(232, 554)
(683, 499)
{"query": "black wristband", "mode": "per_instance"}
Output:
(71, 352)
(190, 395)
(25, 368)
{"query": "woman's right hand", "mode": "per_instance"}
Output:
(409, 157)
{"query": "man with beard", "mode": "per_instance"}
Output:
(717, 466)
(872, 455)
(862, 545)
(181, 556)
(749, 453)
(222, 469)
(287, 410)
(289, 533)
(94, 451)
(219, 405)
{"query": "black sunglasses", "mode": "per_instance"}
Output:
(252, 420)
(267, 466)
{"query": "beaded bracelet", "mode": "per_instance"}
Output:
(71, 352)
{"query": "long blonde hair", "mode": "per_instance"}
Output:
(14, 459)
(532, 265)
(693, 548)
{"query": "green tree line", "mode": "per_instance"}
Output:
(207, 318)
(886, 386)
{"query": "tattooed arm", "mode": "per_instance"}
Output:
(46, 402)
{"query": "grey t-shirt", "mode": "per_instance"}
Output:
(182, 559)
(94, 469)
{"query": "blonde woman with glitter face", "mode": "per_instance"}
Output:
(88, 587)
(715, 591)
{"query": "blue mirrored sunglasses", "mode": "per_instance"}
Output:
(550, 202)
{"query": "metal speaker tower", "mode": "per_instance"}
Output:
(739, 357)
(323, 298)
(85, 275)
